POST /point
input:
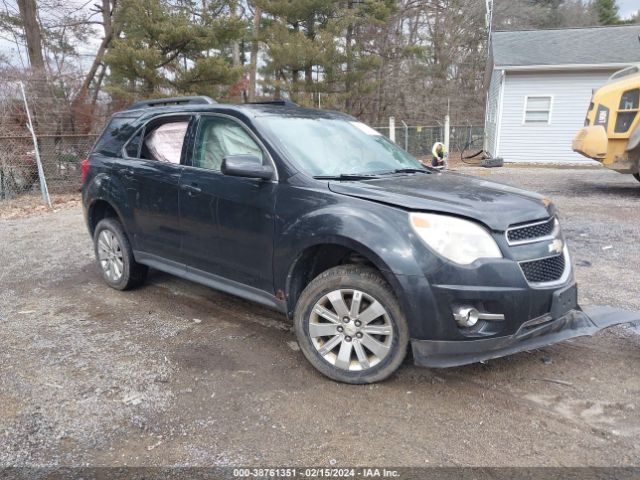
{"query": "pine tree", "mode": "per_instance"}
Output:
(607, 11)
(359, 23)
(169, 48)
(317, 47)
(295, 36)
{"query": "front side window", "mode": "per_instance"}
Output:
(537, 109)
(335, 146)
(219, 137)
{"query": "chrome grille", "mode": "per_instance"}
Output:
(531, 231)
(545, 270)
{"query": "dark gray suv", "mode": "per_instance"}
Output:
(319, 216)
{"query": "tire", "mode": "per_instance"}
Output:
(115, 256)
(344, 354)
(637, 175)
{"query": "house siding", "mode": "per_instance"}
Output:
(492, 112)
(571, 92)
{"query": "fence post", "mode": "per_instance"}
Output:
(392, 129)
(43, 182)
(406, 136)
(447, 127)
(446, 140)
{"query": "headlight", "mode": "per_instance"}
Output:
(460, 241)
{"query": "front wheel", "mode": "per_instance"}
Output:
(350, 326)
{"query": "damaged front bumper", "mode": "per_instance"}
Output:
(534, 334)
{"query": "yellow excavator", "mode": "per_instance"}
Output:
(611, 134)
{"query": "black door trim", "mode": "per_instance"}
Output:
(211, 280)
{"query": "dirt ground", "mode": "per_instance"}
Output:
(177, 374)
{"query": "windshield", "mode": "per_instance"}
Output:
(335, 146)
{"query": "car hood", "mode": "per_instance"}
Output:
(494, 204)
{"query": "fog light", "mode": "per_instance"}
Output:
(466, 316)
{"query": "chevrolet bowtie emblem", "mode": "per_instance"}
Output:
(556, 246)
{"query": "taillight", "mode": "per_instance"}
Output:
(84, 169)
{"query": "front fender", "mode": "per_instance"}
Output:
(380, 233)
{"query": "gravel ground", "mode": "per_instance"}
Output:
(177, 374)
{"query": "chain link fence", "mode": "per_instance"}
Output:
(60, 156)
(418, 140)
(65, 134)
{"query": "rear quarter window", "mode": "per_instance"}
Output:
(115, 135)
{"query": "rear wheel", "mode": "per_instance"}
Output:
(115, 256)
(350, 326)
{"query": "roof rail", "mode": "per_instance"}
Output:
(165, 102)
(282, 103)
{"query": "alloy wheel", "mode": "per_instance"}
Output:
(350, 329)
(110, 255)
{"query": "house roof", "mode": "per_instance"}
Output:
(615, 45)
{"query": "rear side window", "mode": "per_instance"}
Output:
(114, 136)
(133, 147)
(164, 142)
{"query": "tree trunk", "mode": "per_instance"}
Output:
(280, 79)
(29, 16)
(253, 67)
(109, 34)
(349, 66)
(348, 50)
(308, 68)
(236, 54)
(98, 84)
(235, 45)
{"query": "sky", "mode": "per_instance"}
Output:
(628, 7)
(18, 56)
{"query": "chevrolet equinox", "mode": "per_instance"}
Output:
(317, 215)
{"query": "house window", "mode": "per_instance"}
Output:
(537, 109)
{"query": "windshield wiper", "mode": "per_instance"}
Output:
(410, 170)
(347, 176)
(403, 170)
(372, 175)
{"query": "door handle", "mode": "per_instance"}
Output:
(191, 189)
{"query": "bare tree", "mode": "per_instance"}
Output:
(111, 31)
(29, 15)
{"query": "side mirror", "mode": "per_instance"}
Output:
(247, 166)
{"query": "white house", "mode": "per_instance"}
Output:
(540, 83)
